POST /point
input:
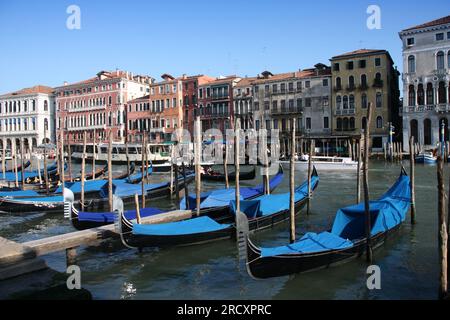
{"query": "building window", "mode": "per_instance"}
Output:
(308, 102)
(364, 101)
(266, 105)
(441, 93)
(338, 102)
(325, 82)
(439, 36)
(338, 83)
(275, 106)
(345, 102)
(339, 124)
(351, 82)
(440, 60)
(256, 106)
(283, 88)
(363, 81)
(379, 122)
(352, 101)
(377, 62)
(326, 123)
(410, 41)
(325, 102)
(430, 95)
(411, 64)
(420, 95)
(363, 123)
(352, 123)
(307, 84)
(379, 100)
(299, 103)
(350, 65)
(308, 123)
(291, 86)
(411, 96)
(336, 67)
(362, 64)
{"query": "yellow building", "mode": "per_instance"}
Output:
(360, 77)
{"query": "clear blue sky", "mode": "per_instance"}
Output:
(192, 36)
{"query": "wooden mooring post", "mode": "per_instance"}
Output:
(442, 232)
(69, 158)
(110, 184)
(83, 170)
(186, 187)
(358, 173)
(138, 212)
(93, 154)
(14, 155)
(22, 163)
(4, 159)
(292, 186)
(412, 178)
(143, 151)
(366, 184)
(225, 166)
(197, 157)
(71, 256)
(47, 186)
(237, 132)
(308, 204)
(127, 154)
(61, 164)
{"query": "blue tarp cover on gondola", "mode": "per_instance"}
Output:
(108, 217)
(310, 242)
(19, 193)
(272, 203)
(55, 199)
(349, 225)
(222, 197)
(190, 226)
(89, 186)
(137, 177)
(128, 189)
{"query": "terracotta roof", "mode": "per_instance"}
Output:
(307, 73)
(35, 89)
(244, 82)
(359, 52)
(444, 20)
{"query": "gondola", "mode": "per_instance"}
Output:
(98, 195)
(83, 220)
(88, 176)
(264, 212)
(217, 176)
(346, 240)
(125, 174)
(215, 203)
(19, 167)
(137, 177)
(29, 175)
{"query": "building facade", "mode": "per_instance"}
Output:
(426, 79)
(159, 113)
(243, 102)
(27, 115)
(361, 77)
(97, 106)
(215, 103)
(302, 95)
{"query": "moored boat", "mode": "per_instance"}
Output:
(324, 163)
(346, 240)
(426, 158)
(210, 175)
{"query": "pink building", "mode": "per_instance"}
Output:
(97, 105)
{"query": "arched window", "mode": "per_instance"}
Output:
(363, 100)
(420, 95)
(379, 100)
(411, 96)
(441, 93)
(379, 122)
(411, 64)
(351, 82)
(363, 81)
(109, 100)
(352, 101)
(339, 124)
(352, 123)
(45, 105)
(427, 131)
(345, 124)
(378, 76)
(440, 60)
(345, 106)
(338, 102)
(445, 121)
(430, 95)
(413, 125)
(338, 83)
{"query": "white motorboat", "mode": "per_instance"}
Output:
(323, 163)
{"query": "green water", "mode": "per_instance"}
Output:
(408, 262)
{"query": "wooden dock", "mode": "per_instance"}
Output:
(20, 258)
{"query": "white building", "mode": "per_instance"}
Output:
(27, 114)
(426, 78)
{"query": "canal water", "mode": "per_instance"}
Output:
(408, 262)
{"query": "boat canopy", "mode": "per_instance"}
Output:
(272, 203)
(349, 225)
(222, 197)
(189, 226)
(108, 217)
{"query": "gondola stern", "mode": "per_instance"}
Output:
(69, 198)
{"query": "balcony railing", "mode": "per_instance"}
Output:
(337, 88)
(92, 127)
(287, 110)
(441, 72)
(351, 87)
(427, 108)
(363, 86)
(344, 112)
(87, 108)
(377, 83)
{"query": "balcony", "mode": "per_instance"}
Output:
(344, 112)
(351, 87)
(442, 108)
(87, 128)
(220, 97)
(18, 133)
(91, 108)
(363, 86)
(287, 111)
(377, 83)
(337, 88)
(441, 72)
